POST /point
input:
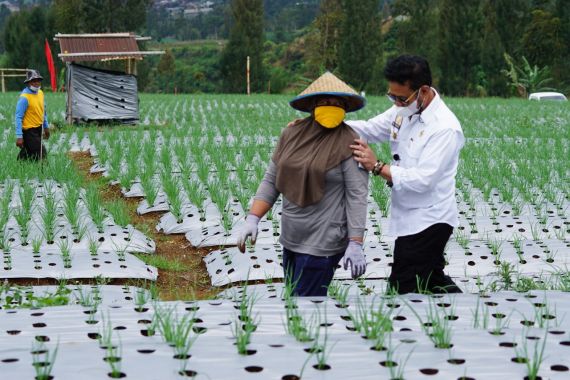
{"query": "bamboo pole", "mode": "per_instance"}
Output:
(247, 74)
(68, 93)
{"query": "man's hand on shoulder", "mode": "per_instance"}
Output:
(292, 123)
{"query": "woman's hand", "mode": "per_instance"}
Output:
(249, 230)
(363, 154)
(354, 258)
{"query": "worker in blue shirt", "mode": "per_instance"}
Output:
(31, 118)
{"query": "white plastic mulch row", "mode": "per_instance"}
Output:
(264, 261)
(111, 257)
(12, 297)
(514, 322)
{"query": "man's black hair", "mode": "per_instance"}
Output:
(410, 69)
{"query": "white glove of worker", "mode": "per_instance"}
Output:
(249, 229)
(355, 257)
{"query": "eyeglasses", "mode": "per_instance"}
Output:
(401, 99)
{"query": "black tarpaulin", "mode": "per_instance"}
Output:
(100, 95)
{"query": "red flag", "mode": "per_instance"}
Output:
(51, 67)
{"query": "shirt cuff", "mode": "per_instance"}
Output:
(397, 174)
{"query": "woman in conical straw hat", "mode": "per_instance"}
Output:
(324, 191)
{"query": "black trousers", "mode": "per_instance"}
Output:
(33, 149)
(419, 262)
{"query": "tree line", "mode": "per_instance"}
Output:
(475, 47)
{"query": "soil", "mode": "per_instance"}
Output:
(193, 283)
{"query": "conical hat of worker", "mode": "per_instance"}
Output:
(328, 85)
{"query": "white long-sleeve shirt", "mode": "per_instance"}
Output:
(425, 152)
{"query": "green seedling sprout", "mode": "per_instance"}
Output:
(532, 359)
(43, 360)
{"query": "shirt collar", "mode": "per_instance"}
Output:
(28, 90)
(428, 114)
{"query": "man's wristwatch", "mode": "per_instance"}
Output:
(377, 169)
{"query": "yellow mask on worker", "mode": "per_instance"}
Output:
(329, 116)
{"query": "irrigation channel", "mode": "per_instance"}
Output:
(119, 256)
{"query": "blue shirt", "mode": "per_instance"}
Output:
(21, 108)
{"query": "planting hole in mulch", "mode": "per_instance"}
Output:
(559, 368)
(429, 371)
(507, 344)
(253, 368)
(456, 361)
(188, 373)
(322, 367)
(290, 377)
(388, 364)
(116, 375)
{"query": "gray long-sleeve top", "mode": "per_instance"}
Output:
(322, 229)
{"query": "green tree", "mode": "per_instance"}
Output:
(417, 24)
(492, 52)
(25, 33)
(323, 40)
(542, 41)
(100, 16)
(512, 16)
(360, 42)
(562, 68)
(4, 14)
(459, 41)
(246, 39)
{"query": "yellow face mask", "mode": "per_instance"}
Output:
(329, 116)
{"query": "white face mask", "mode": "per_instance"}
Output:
(409, 110)
(34, 88)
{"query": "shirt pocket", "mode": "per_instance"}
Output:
(415, 147)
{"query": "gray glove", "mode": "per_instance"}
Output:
(354, 256)
(249, 229)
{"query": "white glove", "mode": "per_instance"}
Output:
(248, 229)
(354, 256)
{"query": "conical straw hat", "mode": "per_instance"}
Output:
(328, 85)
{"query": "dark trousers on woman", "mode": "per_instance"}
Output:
(33, 149)
(310, 275)
(419, 262)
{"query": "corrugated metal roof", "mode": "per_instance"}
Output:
(125, 45)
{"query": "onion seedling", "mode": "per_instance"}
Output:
(395, 366)
(64, 248)
(372, 321)
(178, 332)
(119, 212)
(534, 359)
(43, 360)
(114, 360)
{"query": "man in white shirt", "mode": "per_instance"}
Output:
(425, 139)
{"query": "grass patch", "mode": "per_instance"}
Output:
(163, 263)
